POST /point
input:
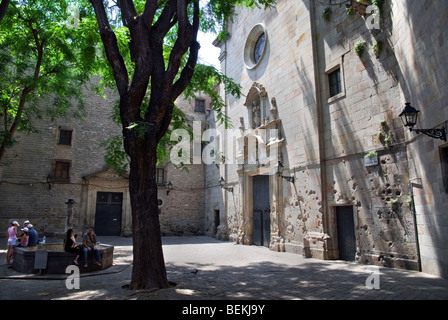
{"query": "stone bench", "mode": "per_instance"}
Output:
(58, 259)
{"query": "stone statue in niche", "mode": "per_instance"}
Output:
(242, 123)
(256, 113)
(274, 109)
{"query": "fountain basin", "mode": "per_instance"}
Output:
(58, 259)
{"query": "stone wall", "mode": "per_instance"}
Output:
(286, 76)
(350, 150)
(363, 119)
(183, 209)
(25, 192)
(420, 42)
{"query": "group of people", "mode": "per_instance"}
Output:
(88, 244)
(27, 237)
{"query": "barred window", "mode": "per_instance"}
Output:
(199, 105)
(160, 178)
(65, 137)
(335, 82)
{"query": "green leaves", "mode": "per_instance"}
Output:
(45, 63)
(217, 12)
(115, 156)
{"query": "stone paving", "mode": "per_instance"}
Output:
(206, 269)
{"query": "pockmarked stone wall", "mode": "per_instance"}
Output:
(340, 136)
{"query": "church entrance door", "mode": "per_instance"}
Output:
(262, 211)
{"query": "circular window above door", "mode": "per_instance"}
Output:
(255, 46)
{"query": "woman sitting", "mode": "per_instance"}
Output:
(23, 238)
(72, 246)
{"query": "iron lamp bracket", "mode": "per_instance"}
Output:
(434, 133)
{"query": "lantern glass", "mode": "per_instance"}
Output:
(409, 116)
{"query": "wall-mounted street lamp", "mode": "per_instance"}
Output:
(170, 186)
(49, 181)
(222, 182)
(409, 117)
(279, 169)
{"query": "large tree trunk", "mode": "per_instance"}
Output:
(148, 265)
(167, 83)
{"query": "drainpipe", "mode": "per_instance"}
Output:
(414, 216)
(224, 140)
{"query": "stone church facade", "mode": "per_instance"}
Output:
(355, 184)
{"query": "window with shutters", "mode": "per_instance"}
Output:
(62, 171)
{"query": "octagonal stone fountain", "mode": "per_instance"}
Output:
(52, 259)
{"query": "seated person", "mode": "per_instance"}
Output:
(70, 245)
(89, 244)
(23, 238)
(33, 236)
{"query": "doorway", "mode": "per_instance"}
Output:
(108, 213)
(346, 233)
(217, 220)
(261, 211)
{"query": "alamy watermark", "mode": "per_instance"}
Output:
(72, 21)
(373, 280)
(229, 146)
(373, 21)
(72, 281)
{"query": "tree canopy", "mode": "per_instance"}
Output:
(44, 65)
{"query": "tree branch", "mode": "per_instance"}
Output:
(188, 70)
(110, 45)
(186, 74)
(128, 11)
(183, 42)
(164, 22)
(149, 12)
(40, 50)
(3, 9)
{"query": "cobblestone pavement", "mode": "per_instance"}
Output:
(204, 268)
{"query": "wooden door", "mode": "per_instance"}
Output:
(261, 211)
(346, 233)
(108, 213)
